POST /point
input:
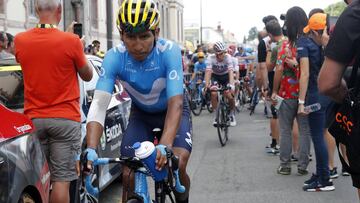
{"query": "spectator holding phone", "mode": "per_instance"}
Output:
(51, 91)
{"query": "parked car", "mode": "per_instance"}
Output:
(11, 95)
(24, 171)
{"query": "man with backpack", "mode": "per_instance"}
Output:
(343, 47)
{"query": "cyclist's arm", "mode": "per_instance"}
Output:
(96, 118)
(230, 66)
(207, 77)
(194, 72)
(172, 120)
(208, 72)
(102, 96)
(231, 76)
(174, 92)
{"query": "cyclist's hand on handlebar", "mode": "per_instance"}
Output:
(161, 158)
(231, 86)
(91, 156)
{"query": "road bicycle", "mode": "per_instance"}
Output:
(164, 189)
(222, 115)
(240, 96)
(199, 99)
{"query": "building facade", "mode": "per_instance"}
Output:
(98, 18)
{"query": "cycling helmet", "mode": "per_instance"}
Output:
(201, 55)
(219, 47)
(249, 49)
(137, 16)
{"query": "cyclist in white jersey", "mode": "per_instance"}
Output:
(220, 69)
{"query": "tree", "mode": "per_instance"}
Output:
(253, 32)
(335, 9)
(244, 40)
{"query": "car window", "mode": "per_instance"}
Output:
(91, 85)
(11, 87)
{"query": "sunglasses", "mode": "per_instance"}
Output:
(219, 53)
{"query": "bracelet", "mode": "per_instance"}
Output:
(301, 101)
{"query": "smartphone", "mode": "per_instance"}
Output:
(78, 29)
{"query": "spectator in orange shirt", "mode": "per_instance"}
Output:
(51, 91)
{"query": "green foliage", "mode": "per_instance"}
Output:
(253, 32)
(335, 9)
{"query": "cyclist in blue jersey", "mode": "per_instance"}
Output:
(150, 69)
(199, 68)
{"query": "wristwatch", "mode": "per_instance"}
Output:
(301, 101)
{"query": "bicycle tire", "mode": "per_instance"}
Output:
(240, 101)
(134, 201)
(197, 105)
(222, 124)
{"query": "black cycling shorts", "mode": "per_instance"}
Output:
(141, 125)
(220, 79)
(242, 73)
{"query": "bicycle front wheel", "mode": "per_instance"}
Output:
(222, 124)
(239, 101)
(196, 102)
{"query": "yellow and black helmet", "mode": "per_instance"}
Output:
(136, 16)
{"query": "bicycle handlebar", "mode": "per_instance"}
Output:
(133, 163)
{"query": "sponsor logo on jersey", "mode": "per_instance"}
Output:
(173, 75)
(102, 72)
(162, 47)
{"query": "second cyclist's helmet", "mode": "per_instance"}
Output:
(219, 47)
(137, 16)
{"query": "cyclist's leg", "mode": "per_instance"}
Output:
(136, 131)
(214, 94)
(182, 148)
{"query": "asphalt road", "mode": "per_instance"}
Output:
(242, 171)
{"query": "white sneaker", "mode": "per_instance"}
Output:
(232, 120)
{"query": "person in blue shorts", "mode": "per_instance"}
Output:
(150, 69)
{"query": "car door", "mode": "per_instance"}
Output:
(4, 170)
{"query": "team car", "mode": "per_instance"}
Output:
(24, 172)
(11, 95)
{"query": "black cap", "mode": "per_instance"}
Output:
(266, 19)
(282, 16)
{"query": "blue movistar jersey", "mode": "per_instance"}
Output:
(200, 67)
(150, 83)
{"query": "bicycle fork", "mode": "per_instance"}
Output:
(141, 187)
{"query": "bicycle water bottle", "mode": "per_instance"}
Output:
(312, 108)
(146, 152)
